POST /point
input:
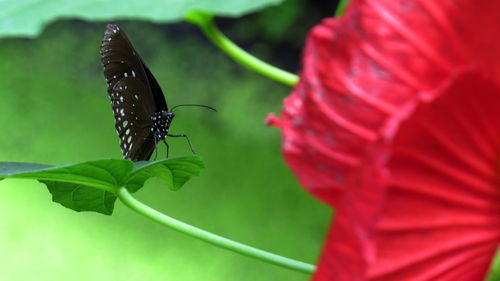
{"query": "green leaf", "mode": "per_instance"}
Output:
(103, 174)
(174, 172)
(91, 185)
(28, 17)
(81, 198)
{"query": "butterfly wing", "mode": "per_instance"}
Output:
(130, 88)
(132, 122)
(161, 104)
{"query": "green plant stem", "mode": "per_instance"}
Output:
(211, 238)
(341, 7)
(207, 25)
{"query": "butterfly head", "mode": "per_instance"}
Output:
(167, 115)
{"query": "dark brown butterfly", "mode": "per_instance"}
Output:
(142, 118)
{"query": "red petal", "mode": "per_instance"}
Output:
(443, 201)
(272, 120)
(438, 216)
(363, 75)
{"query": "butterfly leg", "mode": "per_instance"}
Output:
(165, 142)
(156, 149)
(187, 138)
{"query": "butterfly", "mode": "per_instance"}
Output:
(142, 117)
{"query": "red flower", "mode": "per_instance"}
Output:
(396, 123)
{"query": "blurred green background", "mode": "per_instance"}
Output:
(55, 110)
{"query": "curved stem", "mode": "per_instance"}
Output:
(341, 7)
(206, 23)
(211, 238)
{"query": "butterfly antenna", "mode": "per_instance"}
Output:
(199, 105)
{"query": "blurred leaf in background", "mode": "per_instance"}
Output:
(28, 17)
(278, 32)
(55, 110)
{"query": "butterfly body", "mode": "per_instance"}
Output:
(161, 123)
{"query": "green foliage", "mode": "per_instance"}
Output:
(91, 185)
(59, 112)
(28, 17)
(80, 197)
(283, 28)
(494, 274)
(174, 172)
(341, 7)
